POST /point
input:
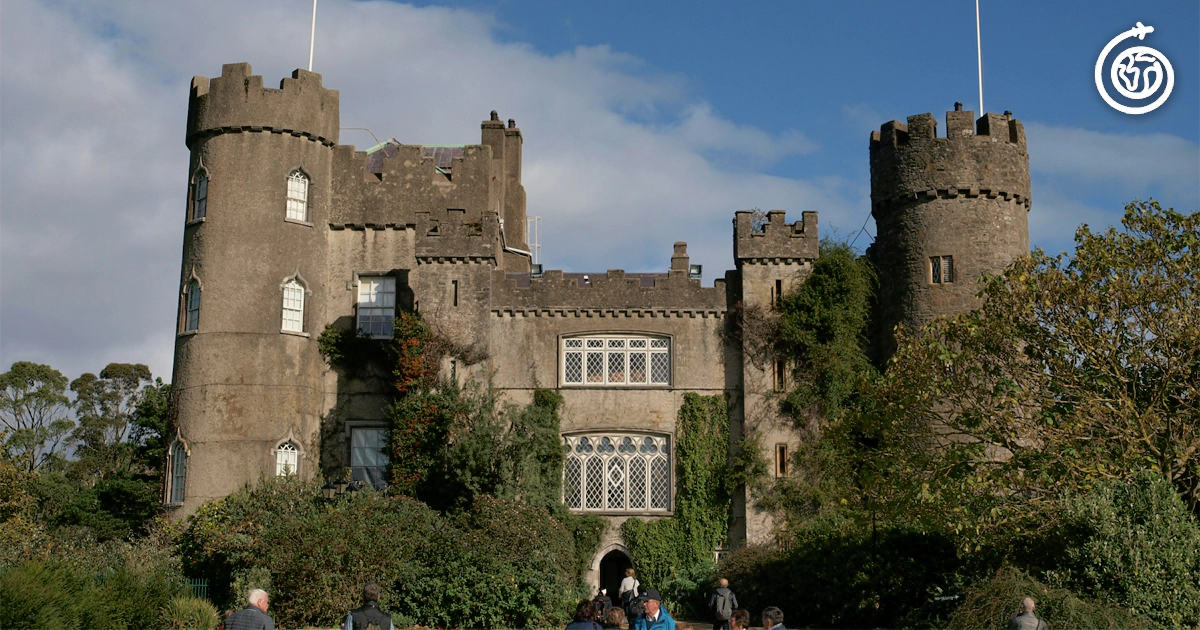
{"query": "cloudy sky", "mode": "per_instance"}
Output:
(654, 122)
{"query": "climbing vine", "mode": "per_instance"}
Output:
(675, 555)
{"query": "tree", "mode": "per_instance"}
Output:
(33, 406)
(105, 407)
(1075, 370)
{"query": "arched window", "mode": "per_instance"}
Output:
(178, 479)
(199, 202)
(617, 472)
(297, 196)
(287, 459)
(293, 306)
(191, 301)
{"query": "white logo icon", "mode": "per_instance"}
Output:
(1133, 81)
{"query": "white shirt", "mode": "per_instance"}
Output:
(628, 584)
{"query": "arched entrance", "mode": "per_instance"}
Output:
(612, 571)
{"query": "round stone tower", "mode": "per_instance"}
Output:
(247, 373)
(947, 210)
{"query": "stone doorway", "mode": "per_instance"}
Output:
(612, 571)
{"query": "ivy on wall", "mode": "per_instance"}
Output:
(675, 555)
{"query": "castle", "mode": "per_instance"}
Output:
(288, 231)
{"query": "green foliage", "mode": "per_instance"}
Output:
(675, 555)
(992, 602)
(350, 351)
(501, 563)
(837, 573)
(33, 406)
(189, 613)
(104, 407)
(1134, 543)
(114, 507)
(116, 585)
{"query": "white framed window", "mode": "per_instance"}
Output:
(178, 479)
(368, 455)
(376, 305)
(199, 197)
(287, 459)
(616, 360)
(941, 269)
(293, 306)
(191, 301)
(617, 472)
(297, 196)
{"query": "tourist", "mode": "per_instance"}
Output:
(254, 616)
(369, 613)
(585, 617)
(654, 616)
(740, 620)
(628, 590)
(602, 603)
(614, 618)
(1025, 619)
(721, 604)
(772, 619)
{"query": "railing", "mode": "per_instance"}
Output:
(199, 587)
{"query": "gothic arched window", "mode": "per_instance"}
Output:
(191, 305)
(178, 479)
(287, 459)
(297, 196)
(617, 472)
(198, 205)
(293, 306)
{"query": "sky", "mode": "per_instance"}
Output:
(644, 123)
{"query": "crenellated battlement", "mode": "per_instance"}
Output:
(985, 157)
(237, 102)
(777, 239)
(453, 234)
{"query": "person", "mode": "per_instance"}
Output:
(368, 616)
(654, 616)
(1025, 619)
(254, 616)
(721, 603)
(614, 618)
(585, 617)
(636, 603)
(772, 619)
(740, 620)
(602, 603)
(628, 591)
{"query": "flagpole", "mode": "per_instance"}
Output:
(978, 52)
(312, 38)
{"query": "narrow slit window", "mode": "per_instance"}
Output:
(777, 299)
(191, 318)
(455, 285)
(780, 375)
(178, 473)
(781, 460)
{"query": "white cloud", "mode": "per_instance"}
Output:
(619, 158)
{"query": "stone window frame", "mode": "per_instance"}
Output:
(941, 269)
(567, 363)
(186, 325)
(580, 501)
(356, 286)
(281, 447)
(350, 427)
(175, 491)
(197, 207)
(291, 202)
(284, 286)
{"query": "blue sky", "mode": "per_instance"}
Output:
(644, 123)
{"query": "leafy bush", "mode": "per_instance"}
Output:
(502, 563)
(992, 602)
(190, 613)
(1135, 543)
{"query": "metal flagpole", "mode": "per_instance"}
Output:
(312, 38)
(978, 51)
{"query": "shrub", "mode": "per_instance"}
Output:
(190, 613)
(1135, 543)
(990, 603)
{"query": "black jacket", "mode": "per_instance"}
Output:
(368, 613)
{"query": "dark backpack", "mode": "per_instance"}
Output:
(636, 607)
(723, 607)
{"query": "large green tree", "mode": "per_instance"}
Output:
(105, 406)
(34, 413)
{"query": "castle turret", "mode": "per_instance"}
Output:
(248, 378)
(947, 211)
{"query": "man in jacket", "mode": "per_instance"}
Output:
(369, 613)
(254, 616)
(654, 616)
(721, 603)
(1025, 620)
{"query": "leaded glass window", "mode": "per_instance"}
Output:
(297, 196)
(616, 360)
(617, 472)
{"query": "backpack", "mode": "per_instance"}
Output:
(724, 605)
(636, 607)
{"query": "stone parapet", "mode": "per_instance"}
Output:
(777, 239)
(237, 102)
(556, 292)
